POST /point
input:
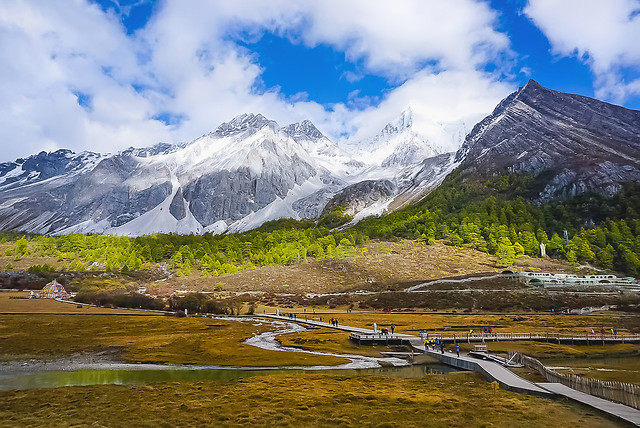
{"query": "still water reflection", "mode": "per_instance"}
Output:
(55, 379)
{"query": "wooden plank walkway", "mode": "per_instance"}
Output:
(492, 371)
(577, 339)
(620, 411)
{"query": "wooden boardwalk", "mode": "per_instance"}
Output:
(492, 370)
(620, 411)
(564, 338)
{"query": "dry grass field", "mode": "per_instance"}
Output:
(310, 400)
(412, 323)
(379, 266)
(143, 338)
(12, 302)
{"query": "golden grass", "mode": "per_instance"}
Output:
(9, 305)
(143, 338)
(552, 350)
(309, 400)
(607, 368)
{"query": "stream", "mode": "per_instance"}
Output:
(67, 372)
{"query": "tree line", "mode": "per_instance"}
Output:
(492, 216)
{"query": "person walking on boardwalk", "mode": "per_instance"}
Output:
(458, 350)
(393, 327)
(442, 346)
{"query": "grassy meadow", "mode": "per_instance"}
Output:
(460, 399)
(202, 341)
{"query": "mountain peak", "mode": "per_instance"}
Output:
(402, 122)
(245, 122)
(304, 129)
(581, 143)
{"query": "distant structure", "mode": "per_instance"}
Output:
(54, 290)
(547, 279)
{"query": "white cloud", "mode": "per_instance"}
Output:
(604, 34)
(56, 49)
(448, 97)
(188, 67)
(396, 37)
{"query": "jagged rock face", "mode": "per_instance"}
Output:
(582, 143)
(361, 195)
(106, 193)
(238, 170)
(305, 129)
(44, 166)
(233, 195)
(312, 205)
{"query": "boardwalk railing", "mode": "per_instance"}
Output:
(549, 337)
(621, 392)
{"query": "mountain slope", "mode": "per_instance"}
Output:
(579, 143)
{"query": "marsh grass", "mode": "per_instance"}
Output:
(148, 339)
(462, 399)
(18, 302)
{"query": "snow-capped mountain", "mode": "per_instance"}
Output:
(408, 140)
(409, 157)
(246, 172)
(251, 170)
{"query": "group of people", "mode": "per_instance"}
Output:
(434, 344)
(613, 332)
(334, 322)
(437, 344)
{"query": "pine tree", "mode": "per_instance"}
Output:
(606, 257)
(506, 254)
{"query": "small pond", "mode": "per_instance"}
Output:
(55, 379)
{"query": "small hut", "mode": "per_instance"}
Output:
(54, 290)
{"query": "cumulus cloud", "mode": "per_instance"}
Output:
(55, 53)
(76, 79)
(398, 37)
(604, 34)
(449, 97)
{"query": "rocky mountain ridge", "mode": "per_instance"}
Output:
(579, 143)
(251, 170)
(248, 171)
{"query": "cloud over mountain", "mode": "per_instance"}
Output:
(79, 80)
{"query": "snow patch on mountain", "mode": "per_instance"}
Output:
(408, 140)
(248, 171)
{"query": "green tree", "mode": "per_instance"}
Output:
(21, 248)
(606, 257)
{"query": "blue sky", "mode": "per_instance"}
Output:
(103, 75)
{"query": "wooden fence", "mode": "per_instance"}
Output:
(620, 392)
